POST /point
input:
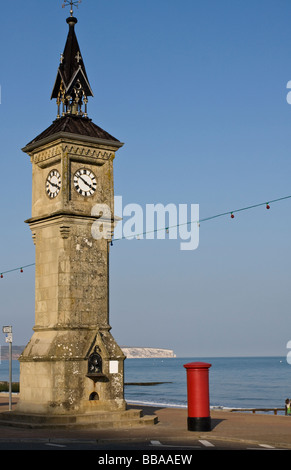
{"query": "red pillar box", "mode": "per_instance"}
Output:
(198, 396)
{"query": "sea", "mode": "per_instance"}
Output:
(234, 382)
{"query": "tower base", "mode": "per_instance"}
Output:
(97, 420)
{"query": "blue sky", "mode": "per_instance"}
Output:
(196, 90)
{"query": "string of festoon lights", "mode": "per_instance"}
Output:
(167, 228)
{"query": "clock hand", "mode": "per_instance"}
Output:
(84, 181)
(55, 185)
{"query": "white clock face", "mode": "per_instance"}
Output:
(85, 182)
(53, 184)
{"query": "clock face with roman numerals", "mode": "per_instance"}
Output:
(85, 182)
(53, 184)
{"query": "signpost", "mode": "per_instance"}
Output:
(7, 330)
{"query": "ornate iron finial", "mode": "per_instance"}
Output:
(71, 3)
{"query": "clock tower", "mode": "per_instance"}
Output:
(72, 369)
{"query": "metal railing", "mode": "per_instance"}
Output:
(254, 410)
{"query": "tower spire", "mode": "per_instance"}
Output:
(72, 88)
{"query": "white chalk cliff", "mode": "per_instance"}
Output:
(139, 353)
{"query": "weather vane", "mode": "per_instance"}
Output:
(71, 3)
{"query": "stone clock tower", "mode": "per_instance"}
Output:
(71, 371)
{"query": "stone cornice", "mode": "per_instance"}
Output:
(50, 154)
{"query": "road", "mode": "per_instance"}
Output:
(144, 447)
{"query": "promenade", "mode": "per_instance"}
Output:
(236, 427)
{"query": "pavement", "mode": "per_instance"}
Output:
(232, 427)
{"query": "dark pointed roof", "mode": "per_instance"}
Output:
(69, 126)
(71, 91)
(72, 67)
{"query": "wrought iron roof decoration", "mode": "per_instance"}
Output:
(71, 3)
(72, 88)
